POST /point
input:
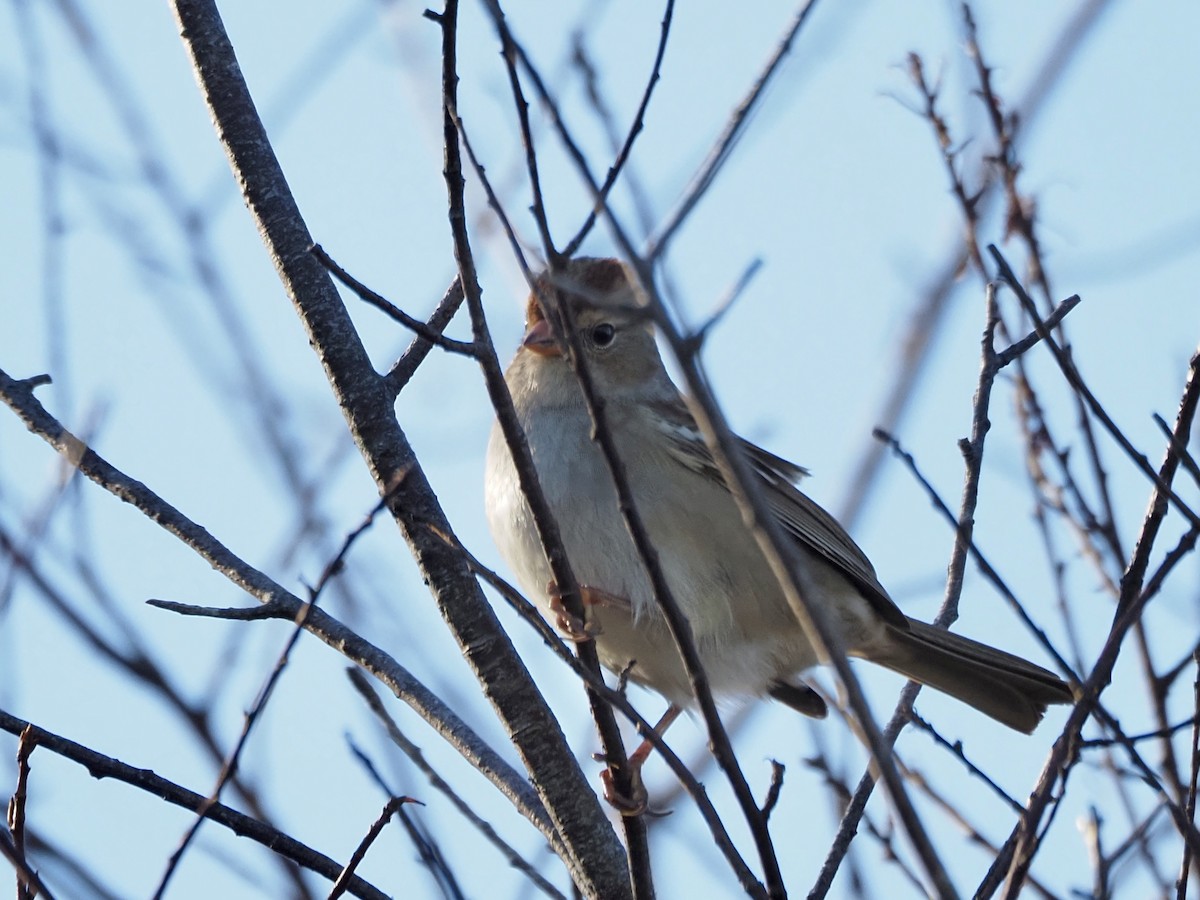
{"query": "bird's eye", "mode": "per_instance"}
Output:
(603, 334)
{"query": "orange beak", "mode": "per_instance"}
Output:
(539, 339)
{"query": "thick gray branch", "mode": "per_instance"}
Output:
(591, 850)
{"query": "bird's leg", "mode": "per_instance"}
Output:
(636, 802)
(573, 627)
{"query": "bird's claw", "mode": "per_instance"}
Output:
(573, 628)
(635, 803)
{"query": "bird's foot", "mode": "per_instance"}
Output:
(635, 802)
(572, 626)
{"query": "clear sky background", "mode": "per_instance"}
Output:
(838, 187)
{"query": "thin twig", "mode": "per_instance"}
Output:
(723, 147)
(229, 767)
(956, 748)
(360, 852)
(774, 790)
(232, 613)
(16, 809)
(1185, 457)
(639, 118)
(29, 883)
(1189, 722)
(413, 752)
(695, 341)
(407, 364)
(1188, 854)
(423, 331)
(973, 833)
(981, 561)
(429, 852)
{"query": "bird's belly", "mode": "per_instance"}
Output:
(743, 628)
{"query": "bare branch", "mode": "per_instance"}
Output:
(413, 752)
(360, 852)
(100, 766)
(635, 129)
(430, 334)
(589, 844)
(723, 148)
(230, 764)
(259, 586)
(407, 364)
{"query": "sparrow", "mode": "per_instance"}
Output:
(748, 639)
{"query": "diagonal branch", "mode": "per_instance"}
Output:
(283, 604)
(586, 841)
(101, 766)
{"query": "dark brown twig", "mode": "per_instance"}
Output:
(981, 561)
(635, 129)
(1186, 459)
(775, 789)
(16, 811)
(723, 146)
(407, 364)
(956, 748)
(427, 333)
(426, 845)
(1141, 736)
(342, 884)
(1190, 812)
(29, 883)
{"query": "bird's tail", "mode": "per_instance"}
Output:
(1007, 688)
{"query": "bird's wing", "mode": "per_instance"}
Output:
(810, 525)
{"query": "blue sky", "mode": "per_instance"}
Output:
(837, 187)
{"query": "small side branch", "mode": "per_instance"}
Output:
(422, 330)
